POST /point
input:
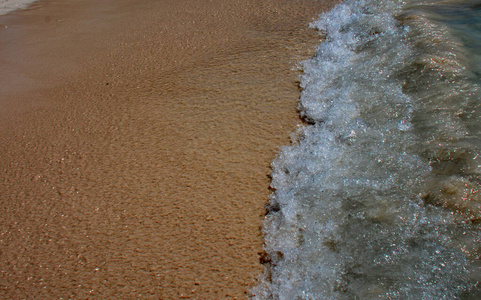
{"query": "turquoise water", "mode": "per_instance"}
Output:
(379, 198)
(466, 22)
(463, 18)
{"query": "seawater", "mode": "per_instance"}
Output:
(379, 196)
(7, 6)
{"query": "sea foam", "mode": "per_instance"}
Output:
(7, 6)
(379, 196)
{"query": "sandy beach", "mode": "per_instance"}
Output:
(136, 141)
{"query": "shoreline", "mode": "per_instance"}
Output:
(138, 140)
(7, 6)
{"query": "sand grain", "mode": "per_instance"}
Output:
(136, 141)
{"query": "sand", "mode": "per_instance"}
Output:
(136, 141)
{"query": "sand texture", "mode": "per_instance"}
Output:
(135, 142)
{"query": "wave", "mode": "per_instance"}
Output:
(379, 197)
(7, 6)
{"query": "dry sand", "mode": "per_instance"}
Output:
(136, 138)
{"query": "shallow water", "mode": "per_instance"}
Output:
(7, 6)
(380, 196)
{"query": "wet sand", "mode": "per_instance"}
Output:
(136, 141)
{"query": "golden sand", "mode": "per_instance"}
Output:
(136, 141)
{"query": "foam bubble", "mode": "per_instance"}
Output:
(7, 6)
(379, 196)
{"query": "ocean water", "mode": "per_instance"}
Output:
(380, 195)
(7, 6)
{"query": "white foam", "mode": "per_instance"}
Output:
(7, 6)
(358, 210)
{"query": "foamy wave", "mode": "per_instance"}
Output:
(379, 198)
(7, 6)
